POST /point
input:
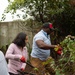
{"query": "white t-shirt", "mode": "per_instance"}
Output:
(3, 65)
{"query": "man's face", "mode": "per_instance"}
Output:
(49, 31)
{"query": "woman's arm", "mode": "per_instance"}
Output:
(10, 53)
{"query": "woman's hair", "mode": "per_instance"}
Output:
(20, 40)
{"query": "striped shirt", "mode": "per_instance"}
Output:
(36, 51)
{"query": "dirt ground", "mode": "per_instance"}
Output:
(28, 68)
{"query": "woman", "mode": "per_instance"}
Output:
(17, 54)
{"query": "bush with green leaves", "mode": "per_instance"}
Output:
(66, 64)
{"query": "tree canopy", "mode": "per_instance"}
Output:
(40, 9)
(59, 12)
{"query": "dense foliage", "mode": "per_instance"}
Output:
(42, 10)
(59, 12)
(66, 64)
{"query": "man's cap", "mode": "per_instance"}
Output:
(48, 25)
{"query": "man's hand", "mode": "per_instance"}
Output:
(58, 49)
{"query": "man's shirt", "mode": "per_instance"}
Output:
(36, 51)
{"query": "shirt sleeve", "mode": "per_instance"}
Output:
(26, 53)
(38, 38)
(23, 65)
(26, 57)
(9, 54)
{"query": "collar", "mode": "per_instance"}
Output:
(44, 33)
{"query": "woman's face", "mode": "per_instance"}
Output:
(26, 40)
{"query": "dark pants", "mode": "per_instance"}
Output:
(12, 73)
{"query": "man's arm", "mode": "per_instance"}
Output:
(43, 45)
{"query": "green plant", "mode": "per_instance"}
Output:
(65, 65)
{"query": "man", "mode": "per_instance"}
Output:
(41, 47)
(3, 65)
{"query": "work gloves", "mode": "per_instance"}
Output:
(22, 59)
(22, 69)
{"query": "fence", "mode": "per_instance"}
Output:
(8, 30)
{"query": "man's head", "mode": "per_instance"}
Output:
(48, 27)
